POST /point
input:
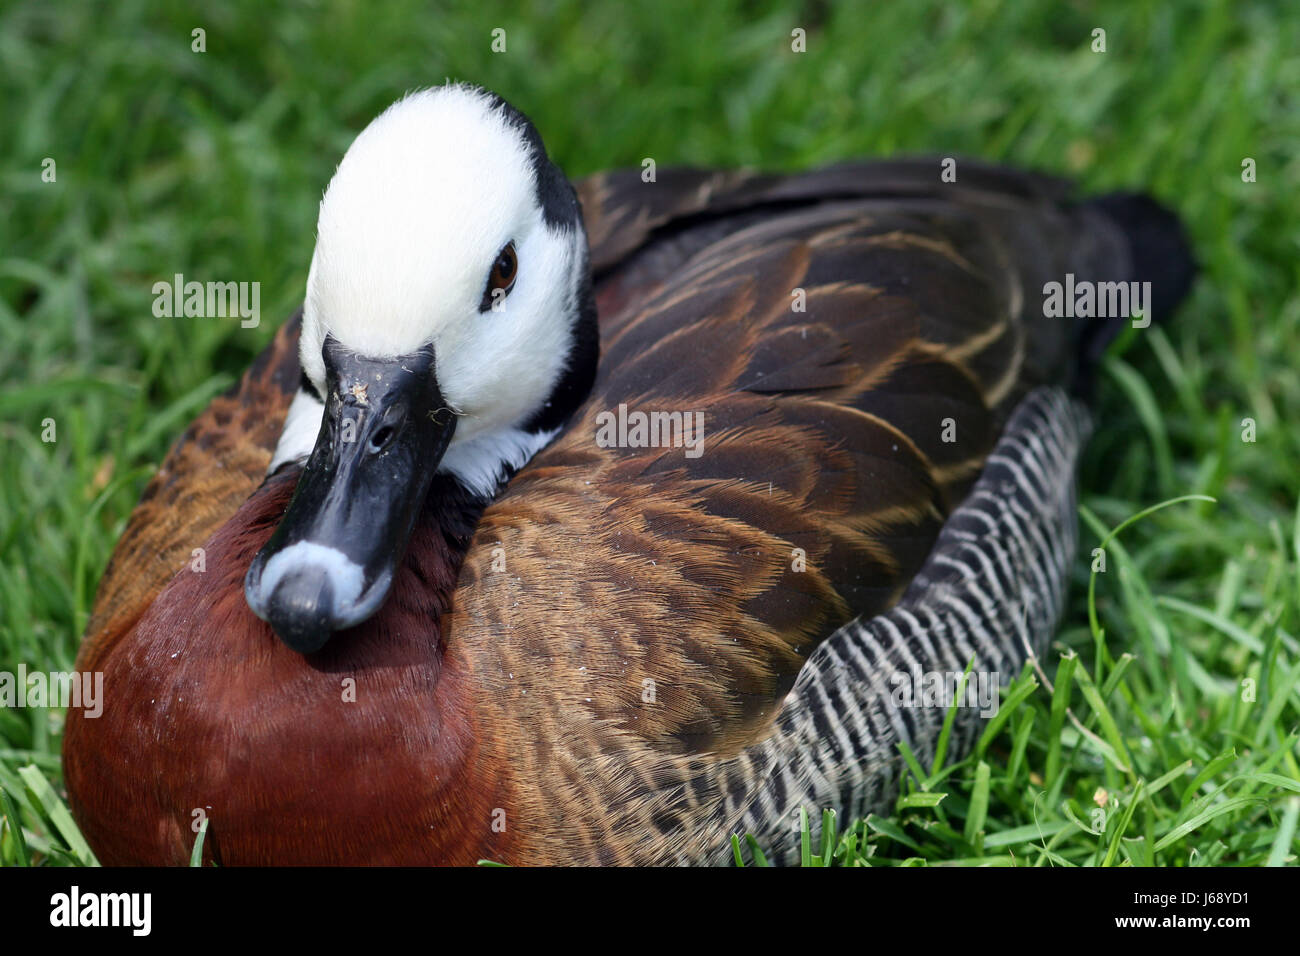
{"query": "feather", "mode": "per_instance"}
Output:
(637, 650)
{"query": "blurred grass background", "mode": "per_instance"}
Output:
(211, 164)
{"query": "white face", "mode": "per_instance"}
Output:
(421, 205)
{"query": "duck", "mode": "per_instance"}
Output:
(594, 523)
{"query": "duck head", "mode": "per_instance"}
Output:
(449, 326)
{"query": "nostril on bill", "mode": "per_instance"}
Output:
(379, 441)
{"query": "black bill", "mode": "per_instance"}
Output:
(330, 563)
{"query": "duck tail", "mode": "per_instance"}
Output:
(1158, 252)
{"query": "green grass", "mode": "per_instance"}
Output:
(211, 165)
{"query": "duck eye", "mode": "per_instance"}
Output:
(501, 279)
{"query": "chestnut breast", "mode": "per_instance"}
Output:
(365, 752)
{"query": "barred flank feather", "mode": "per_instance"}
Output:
(992, 590)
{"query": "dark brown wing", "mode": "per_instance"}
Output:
(623, 212)
(837, 439)
(211, 470)
(642, 233)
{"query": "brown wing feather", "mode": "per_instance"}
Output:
(823, 482)
(211, 470)
(623, 212)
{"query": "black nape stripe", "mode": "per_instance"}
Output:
(555, 194)
(575, 383)
(308, 386)
(560, 209)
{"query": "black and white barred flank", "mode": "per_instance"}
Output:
(991, 591)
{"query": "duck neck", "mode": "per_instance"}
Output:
(452, 511)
